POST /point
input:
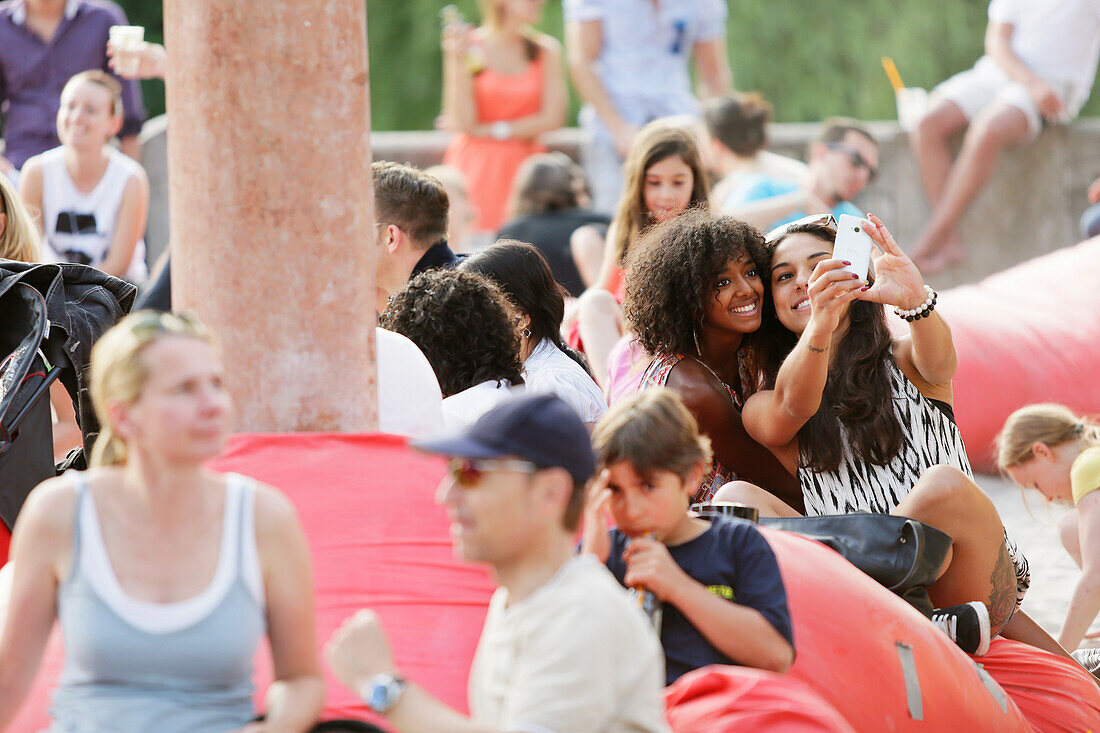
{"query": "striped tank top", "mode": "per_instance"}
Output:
(930, 437)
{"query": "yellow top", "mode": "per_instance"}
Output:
(1084, 474)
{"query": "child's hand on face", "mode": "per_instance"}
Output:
(596, 540)
(649, 564)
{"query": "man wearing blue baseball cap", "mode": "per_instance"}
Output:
(563, 649)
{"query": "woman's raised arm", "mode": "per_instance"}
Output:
(774, 417)
(898, 282)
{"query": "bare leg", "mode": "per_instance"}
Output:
(586, 244)
(600, 322)
(1067, 532)
(742, 492)
(1023, 628)
(979, 568)
(930, 142)
(991, 131)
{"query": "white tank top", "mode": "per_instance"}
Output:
(79, 226)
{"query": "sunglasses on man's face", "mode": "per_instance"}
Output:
(855, 158)
(467, 472)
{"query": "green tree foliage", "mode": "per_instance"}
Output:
(810, 58)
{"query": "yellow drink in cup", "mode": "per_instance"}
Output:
(912, 104)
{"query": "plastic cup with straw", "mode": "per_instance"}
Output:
(912, 101)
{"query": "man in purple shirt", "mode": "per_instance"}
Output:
(42, 44)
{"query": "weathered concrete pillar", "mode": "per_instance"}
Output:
(272, 218)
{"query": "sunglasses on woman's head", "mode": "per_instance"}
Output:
(825, 221)
(170, 323)
(467, 472)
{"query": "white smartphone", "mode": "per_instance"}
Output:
(853, 244)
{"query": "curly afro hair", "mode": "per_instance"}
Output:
(670, 269)
(463, 323)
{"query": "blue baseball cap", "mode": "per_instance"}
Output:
(539, 428)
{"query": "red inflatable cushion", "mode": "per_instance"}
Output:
(378, 540)
(718, 698)
(1028, 334)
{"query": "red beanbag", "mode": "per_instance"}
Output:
(719, 698)
(1028, 334)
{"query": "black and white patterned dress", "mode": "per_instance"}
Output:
(930, 437)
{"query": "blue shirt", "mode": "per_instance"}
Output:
(757, 187)
(645, 54)
(735, 562)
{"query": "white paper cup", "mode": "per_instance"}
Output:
(912, 104)
(127, 40)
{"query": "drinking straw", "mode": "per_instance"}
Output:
(892, 73)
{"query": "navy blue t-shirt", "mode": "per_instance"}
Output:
(735, 562)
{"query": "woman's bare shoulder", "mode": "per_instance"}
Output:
(696, 383)
(547, 43)
(275, 513)
(50, 507)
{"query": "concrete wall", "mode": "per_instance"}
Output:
(154, 154)
(1031, 206)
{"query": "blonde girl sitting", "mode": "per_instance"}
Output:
(1049, 448)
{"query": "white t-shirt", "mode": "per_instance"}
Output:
(576, 656)
(409, 400)
(462, 409)
(1059, 40)
(79, 226)
(548, 370)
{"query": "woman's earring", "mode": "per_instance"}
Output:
(527, 333)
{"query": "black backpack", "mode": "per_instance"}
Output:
(50, 315)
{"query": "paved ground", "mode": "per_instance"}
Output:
(1053, 573)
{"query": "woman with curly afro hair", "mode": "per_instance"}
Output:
(469, 332)
(694, 292)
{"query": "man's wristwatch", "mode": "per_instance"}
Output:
(382, 692)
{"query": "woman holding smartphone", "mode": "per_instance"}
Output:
(865, 420)
(503, 86)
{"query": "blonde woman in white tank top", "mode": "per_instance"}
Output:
(147, 556)
(92, 200)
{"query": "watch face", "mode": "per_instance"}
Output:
(384, 692)
(380, 697)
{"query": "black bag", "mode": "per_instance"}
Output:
(902, 554)
(50, 315)
(24, 398)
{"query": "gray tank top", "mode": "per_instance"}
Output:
(132, 665)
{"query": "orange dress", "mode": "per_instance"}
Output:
(490, 165)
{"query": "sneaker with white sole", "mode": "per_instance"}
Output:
(966, 625)
(1089, 659)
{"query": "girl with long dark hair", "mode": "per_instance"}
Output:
(548, 364)
(664, 176)
(865, 419)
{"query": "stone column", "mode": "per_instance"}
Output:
(272, 213)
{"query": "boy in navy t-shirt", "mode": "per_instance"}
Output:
(723, 597)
